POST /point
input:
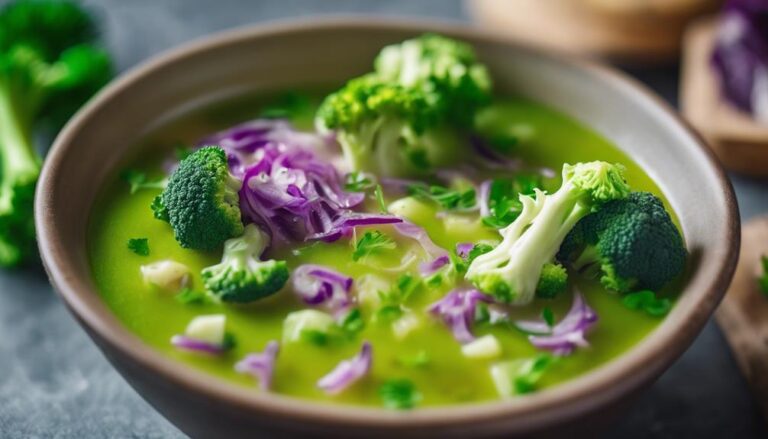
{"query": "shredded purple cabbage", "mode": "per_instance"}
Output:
(348, 220)
(429, 268)
(348, 371)
(194, 345)
(740, 57)
(457, 310)
(261, 365)
(570, 333)
(318, 285)
(418, 233)
(463, 249)
(288, 188)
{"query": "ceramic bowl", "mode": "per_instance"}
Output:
(325, 51)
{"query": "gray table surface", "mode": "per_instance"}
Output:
(54, 383)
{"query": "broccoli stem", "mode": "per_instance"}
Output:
(20, 163)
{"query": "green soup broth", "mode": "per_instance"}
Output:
(444, 376)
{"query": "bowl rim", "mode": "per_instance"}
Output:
(594, 389)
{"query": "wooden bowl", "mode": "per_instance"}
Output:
(633, 32)
(326, 51)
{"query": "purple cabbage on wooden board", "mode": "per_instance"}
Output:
(740, 57)
(348, 371)
(261, 365)
(457, 310)
(322, 286)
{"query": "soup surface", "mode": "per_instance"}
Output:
(426, 355)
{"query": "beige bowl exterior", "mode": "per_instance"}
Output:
(332, 50)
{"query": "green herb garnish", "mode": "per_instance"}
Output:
(478, 249)
(140, 246)
(548, 316)
(530, 372)
(358, 182)
(230, 342)
(504, 199)
(372, 242)
(647, 301)
(138, 180)
(352, 322)
(449, 199)
(388, 313)
(399, 394)
(315, 337)
(188, 296)
(379, 193)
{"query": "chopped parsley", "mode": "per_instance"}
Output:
(478, 249)
(763, 280)
(358, 182)
(647, 301)
(372, 242)
(548, 316)
(406, 285)
(393, 299)
(388, 313)
(352, 323)
(188, 296)
(230, 342)
(138, 180)
(449, 199)
(315, 337)
(504, 199)
(399, 394)
(379, 194)
(140, 246)
(530, 372)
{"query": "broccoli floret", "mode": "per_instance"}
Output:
(242, 277)
(201, 201)
(49, 66)
(406, 117)
(512, 271)
(552, 281)
(445, 70)
(629, 244)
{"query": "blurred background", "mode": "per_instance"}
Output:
(54, 382)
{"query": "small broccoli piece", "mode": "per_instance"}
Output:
(201, 201)
(512, 272)
(140, 246)
(406, 117)
(629, 244)
(49, 67)
(553, 281)
(242, 276)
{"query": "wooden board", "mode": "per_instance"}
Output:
(739, 141)
(743, 314)
(637, 31)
